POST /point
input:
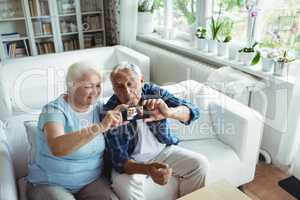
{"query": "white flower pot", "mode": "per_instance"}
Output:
(267, 64)
(212, 46)
(246, 57)
(222, 48)
(281, 69)
(202, 44)
(145, 23)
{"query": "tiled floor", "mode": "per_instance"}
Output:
(265, 185)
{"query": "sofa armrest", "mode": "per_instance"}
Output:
(241, 128)
(129, 55)
(235, 124)
(8, 189)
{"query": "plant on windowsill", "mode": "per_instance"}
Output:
(201, 38)
(249, 55)
(215, 27)
(145, 16)
(282, 63)
(267, 58)
(225, 37)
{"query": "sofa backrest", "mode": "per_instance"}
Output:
(26, 84)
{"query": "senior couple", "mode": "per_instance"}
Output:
(76, 130)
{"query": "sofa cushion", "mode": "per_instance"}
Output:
(31, 132)
(223, 161)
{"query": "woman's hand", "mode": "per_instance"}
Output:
(113, 118)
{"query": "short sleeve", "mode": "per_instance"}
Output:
(51, 113)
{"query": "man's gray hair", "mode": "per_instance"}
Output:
(126, 66)
(78, 69)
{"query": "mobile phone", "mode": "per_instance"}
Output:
(135, 113)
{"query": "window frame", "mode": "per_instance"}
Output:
(204, 11)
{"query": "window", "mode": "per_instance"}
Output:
(183, 18)
(159, 16)
(235, 17)
(280, 25)
(184, 15)
(273, 23)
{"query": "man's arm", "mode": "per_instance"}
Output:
(171, 106)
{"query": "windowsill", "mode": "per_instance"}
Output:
(183, 48)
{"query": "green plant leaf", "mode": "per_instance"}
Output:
(227, 38)
(256, 58)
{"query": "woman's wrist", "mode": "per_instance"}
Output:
(97, 129)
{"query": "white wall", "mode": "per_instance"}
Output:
(169, 67)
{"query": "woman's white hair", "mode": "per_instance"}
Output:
(78, 69)
(126, 66)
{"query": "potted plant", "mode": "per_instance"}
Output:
(145, 17)
(215, 28)
(201, 38)
(225, 38)
(282, 63)
(223, 46)
(267, 59)
(249, 55)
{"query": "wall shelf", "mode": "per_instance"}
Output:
(40, 17)
(12, 19)
(92, 12)
(43, 36)
(15, 39)
(54, 26)
(92, 31)
(67, 15)
(71, 33)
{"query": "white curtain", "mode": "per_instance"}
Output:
(128, 22)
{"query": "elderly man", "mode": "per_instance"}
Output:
(145, 147)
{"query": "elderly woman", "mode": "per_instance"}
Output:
(70, 141)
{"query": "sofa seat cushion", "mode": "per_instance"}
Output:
(223, 161)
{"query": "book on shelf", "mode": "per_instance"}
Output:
(47, 30)
(68, 26)
(71, 44)
(38, 7)
(99, 40)
(94, 40)
(42, 28)
(44, 6)
(10, 36)
(45, 47)
(16, 49)
(91, 5)
(92, 21)
(66, 6)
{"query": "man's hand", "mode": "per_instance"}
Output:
(158, 109)
(160, 173)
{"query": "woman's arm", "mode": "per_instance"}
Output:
(62, 143)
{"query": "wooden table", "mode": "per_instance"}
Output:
(221, 190)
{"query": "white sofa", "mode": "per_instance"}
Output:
(228, 133)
